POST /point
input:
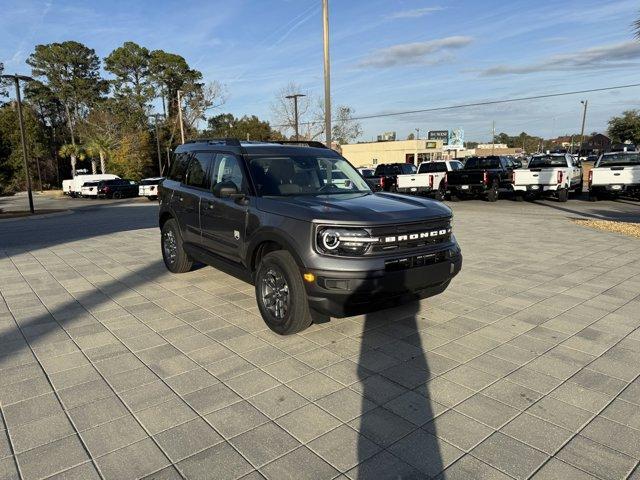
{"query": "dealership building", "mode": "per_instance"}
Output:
(370, 154)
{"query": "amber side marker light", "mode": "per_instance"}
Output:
(309, 277)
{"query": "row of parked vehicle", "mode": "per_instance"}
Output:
(555, 175)
(110, 186)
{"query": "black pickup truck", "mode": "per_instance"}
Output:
(385, 178)
(481, 176)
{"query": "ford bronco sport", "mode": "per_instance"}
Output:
(301, 224)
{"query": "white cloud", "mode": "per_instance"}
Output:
(619, 55)
(416, 13)
(415, 53)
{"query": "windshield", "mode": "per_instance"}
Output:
(477, 163)
(545, 161)
(304, 175)
(430, 167)
(619, 159)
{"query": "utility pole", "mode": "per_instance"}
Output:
(327, 72)
(417, 146)
(493, 138)
(584, 119)
(155, 117)
(179, 92)
(16, 79)
(295, 97)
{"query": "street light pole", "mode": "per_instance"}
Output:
(584, 118)
(179, 92)
(156, 116)
(16, 78)
(295, 97)
(327, 73)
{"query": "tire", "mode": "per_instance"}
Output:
(278, 274)
(518, 197)
(563, 195)
(454, 197)
(493, 194)
(439, 194)
(593, 197)
(577, 192)
(117, 195)
(175, 258)
(153, 198)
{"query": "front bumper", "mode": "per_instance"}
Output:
(340, 293)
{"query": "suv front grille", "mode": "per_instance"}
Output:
(410, 236)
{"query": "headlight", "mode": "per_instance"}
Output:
(344, 241)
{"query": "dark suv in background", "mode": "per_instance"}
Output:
(301, 224)
(117, 188)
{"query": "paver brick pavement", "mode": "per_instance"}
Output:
(526, 367)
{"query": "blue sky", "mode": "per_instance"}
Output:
(386, 55)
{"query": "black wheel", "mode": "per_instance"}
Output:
(117, 195)
(153, 198)
(593, 197)
(455, 197)
(492, 194)
(563, 195)
(282, 298)
(173, 254)
(439, 194)
(519, 197)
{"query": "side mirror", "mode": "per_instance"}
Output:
(226, 190)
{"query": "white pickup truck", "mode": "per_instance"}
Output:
(148, 187)
(430, 178)
(615, 173)
(552, 174)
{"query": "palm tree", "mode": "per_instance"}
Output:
(74, 152)
(100, 146)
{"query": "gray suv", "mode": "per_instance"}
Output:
(299, 222)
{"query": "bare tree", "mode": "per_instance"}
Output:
(345, 128)
(199, 99)
(310, 112)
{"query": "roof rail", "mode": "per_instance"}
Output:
(308, 143)
(212, 141)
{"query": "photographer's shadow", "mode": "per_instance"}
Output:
(397, 440)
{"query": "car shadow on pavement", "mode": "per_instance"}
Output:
(396, 409)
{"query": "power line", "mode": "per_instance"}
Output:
(479, 104)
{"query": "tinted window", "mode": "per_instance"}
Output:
(179, 167)
(431, 167)
(408, 168)
(227, 169)
(198, 168)
(479, 163)
(546, 161)
(619, 159)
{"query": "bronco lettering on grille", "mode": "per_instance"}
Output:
(416, 236)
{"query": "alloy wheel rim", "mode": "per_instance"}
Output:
(170, 246)
(274, 292)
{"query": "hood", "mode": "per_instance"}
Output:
(357, 208)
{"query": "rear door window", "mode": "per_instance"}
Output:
(197, 171)
(179, 167)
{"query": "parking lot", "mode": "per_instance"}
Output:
(527, 366)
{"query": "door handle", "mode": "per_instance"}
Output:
(181, 199)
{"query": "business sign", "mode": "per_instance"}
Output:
(431, 145)
(439, 135)
(456, 138)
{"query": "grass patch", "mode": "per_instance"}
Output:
(626, 228)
